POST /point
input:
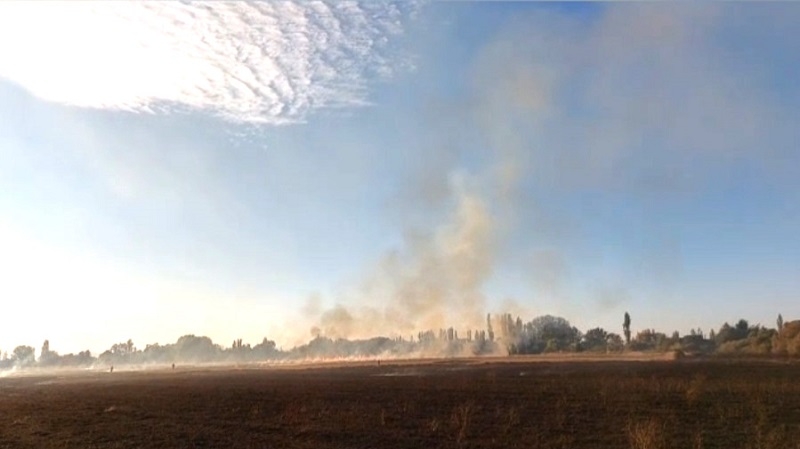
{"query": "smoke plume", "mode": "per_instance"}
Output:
(433, 281)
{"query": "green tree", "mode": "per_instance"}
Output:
(46, 356)
(614, 343)
(780, 322)
(196, 349)
(546, 330)
(24, 355)
(726, 333)
(626, 328)
(741, 329)
(595, 339)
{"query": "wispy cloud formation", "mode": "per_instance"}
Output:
(265, 62)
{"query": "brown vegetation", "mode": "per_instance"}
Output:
(448, 404)
(787, 341)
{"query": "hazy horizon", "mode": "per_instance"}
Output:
(250, 170)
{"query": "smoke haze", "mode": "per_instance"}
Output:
(434, 281)
(642, 107)
(362, 170)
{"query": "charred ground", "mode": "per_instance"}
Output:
(466, 403)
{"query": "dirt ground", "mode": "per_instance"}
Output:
(533, 403)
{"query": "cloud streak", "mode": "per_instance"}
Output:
(261, 62)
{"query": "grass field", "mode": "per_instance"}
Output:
(451, 404)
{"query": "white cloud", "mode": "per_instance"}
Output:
(265, 62)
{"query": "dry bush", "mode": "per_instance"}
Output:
(433, 425)
(698, 440)
(511, 420)
(294, 414)
(695, 388)
(787, 341)
(646, 434)
(460, 419)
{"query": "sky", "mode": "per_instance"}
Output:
(250, 170)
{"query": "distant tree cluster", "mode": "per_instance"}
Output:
(503, 334)
(188, 349)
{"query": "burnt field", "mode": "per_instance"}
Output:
(469, 403)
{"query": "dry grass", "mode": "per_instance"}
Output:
(460, 419)
(695, 388)
(543, 405)
(646, 434)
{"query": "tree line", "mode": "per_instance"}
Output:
(503, 334)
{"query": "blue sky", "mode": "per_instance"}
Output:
(241, 171)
